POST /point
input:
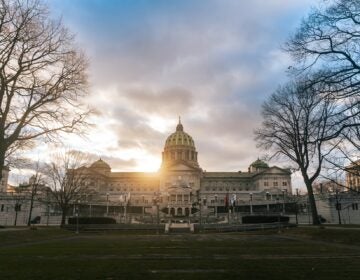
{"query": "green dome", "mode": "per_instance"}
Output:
(100, 164)
(259, 164)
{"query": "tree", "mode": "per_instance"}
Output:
(328, 42)
(42, 77)
(18, 197)
(297, 122)
(67, 179)
(327, 45)
(33, 187)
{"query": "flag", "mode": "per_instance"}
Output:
(233, 200)
(227, 200)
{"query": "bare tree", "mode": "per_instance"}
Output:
(67, 178)
(42, 77)
(326, 48)
(328, 42)
(19, 197)
(33, 188)
(297, 122)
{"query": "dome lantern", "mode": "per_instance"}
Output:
(179, 127)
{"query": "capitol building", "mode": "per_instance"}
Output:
(181, 184)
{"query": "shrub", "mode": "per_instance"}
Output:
(258, 219)
(91, 220)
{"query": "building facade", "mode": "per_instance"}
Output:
(181, 183)
(4, 179)
(353, 176)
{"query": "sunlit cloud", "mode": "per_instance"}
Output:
(211, 62)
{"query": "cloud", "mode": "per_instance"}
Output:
(164, 102)
(212, 62)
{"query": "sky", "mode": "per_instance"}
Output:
(212, 62)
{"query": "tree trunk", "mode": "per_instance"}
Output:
(63, 218)
(314, 213)
(2, 162)
(30, 210)
(16, 215)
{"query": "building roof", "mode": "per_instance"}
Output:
(259, 164)
(134, 174)
(100, 164)
(227, 174)
(179, 138)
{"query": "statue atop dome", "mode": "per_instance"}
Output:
(179, 127)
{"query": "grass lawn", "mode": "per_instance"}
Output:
(301, 253)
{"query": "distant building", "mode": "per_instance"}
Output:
(328, 186)
(181, 182)
(353, 176)
(342, 207)
(4, 179)
(181, 188)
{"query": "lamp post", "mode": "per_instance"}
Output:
(278, 209)
(107, 204)
(77, 216)
(338, 204)
(267, 200)
(251, 206)
(216, 200)
(156, 199)
(48, 207)
(296, 206)
(283, 195)
(200, 203)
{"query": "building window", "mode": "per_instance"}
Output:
(355, 206)
(275, 184)
(2, 207)
(284, 184)
(266, 184)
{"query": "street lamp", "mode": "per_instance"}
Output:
(267, 199)
(77, 216)
(296, 205)
(200, 203)
(107, 204)
(156, 200)
(283, 194)
(216, 200)
(48, 207)
(251, 206)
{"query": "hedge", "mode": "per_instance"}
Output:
(91, 220)
(259, 219)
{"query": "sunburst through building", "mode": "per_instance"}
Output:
(181, 188)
